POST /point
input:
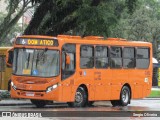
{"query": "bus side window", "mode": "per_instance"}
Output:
(128, 57)
(87, 56)
(142, 58)
(68, 69)
(116, 57)
(101, 57)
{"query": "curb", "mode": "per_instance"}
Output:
(15, 104)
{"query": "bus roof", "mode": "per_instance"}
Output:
(101, 40)
(90, 40)
(36, 36)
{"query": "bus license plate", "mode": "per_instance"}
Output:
(29, 94)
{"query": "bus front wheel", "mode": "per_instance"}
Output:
(38, 103)
(80, 98)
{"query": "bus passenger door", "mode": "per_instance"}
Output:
(68, 70)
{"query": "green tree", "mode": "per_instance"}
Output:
(15, 10)
(142, 25)
(80, 17)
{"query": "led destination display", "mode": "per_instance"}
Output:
(40, 42)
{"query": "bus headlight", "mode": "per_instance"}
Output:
(51, 88)
(13, 86)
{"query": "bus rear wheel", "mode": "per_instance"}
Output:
(39, 103)
(124, 97)
(115, 102)
(80, 98)
(90, 103)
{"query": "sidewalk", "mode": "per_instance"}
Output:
(156, 88)
(14, 102)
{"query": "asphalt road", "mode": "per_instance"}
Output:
(138, 110)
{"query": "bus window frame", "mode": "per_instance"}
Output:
(149, 56)
(127, 58)
(101, 57)
(32, 66)
(93, 46)
(115, 57)
(61, 61)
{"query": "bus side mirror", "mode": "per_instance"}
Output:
(9, 57)
(68, 59)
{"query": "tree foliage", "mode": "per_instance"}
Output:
(79, 17)
(15, 10)
(131, 19)
(142, 25)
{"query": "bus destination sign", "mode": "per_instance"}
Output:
(40, 42)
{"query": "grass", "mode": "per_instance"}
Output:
(155, 93)
(4, 94)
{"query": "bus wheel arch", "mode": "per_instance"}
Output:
(124, 97)
(81, 97)
(9, 85)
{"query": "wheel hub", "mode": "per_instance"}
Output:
(125, 96)
(79, 97)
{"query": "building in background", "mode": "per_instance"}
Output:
(21, 24)
(3, 6)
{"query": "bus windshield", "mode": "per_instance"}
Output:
(36, 62)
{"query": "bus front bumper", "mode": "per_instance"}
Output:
(39, 95)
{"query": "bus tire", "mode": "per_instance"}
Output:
(38, 103)
(9, 85)
(125, 96)
(90, 103)
(80, 98)
(115, 103)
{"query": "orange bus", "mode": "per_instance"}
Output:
(79, 70)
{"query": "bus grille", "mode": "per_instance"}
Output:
(32, 81)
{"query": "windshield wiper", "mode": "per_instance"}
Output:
(28, 58)
(40, 55)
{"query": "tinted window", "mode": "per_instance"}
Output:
(142, 53)
(128, 52)
(101, 57)
(128, 57)
(115, 57)
(142, 58)
(86, 51)
(115, 52)
(87, 56)
(68, 69)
